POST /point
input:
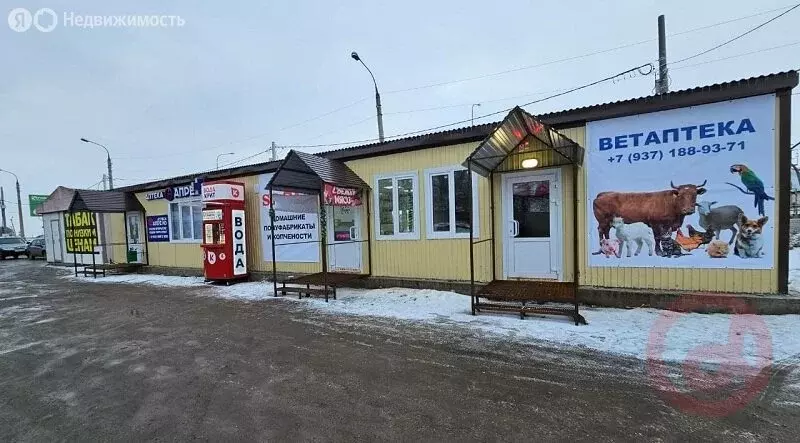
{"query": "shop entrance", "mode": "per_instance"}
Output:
(55, 237)
(135, 250)
(530, 156)
(532, 235)
(344, 233)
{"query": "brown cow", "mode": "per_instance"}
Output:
(663, 211)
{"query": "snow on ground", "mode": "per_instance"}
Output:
(794, 270)
(619, 331)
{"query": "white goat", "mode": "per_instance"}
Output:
(633, 233)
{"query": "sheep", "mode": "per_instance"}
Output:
(718, 219)
(627, 234)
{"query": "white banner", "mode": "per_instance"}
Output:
(663, 186)
(296, 225)
(239, 243)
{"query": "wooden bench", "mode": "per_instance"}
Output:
(527, 296)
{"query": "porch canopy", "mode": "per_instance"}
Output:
(69, 201)
(337, 185)
(309, 172)
(522, 142)
(519, 137)
(73, 200)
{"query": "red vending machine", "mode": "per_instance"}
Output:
(224, 236)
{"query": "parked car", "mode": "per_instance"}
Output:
(30, 240)
(12, 247)
(36, 249)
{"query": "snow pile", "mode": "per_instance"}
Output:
(794, 270)
(619, 331)
(142, 279)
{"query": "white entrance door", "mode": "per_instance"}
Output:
(344, 233)
(135, 252)
(532, 225)
(55, 241)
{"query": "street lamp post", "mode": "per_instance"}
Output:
(19, 205)
(377, 95)
(224, 153)
(472, 113)
(108, 162)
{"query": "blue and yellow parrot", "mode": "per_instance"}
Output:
(753, 184)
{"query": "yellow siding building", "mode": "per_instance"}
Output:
(427, 255)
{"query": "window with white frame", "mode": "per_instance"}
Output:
(450, 198)
(397, 200)
(186, 221)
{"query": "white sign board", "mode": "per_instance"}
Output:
(212, 214)
(239, 243)
(296, 225)
(223, 191)
(672, 181)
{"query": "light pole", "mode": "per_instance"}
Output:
(108, 162)
(224, 153)
(355, 56)
(472, 113)
(19, 205)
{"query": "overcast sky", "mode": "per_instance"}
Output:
(167, 101)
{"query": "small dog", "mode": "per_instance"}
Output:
(717, 249)
(750, 242)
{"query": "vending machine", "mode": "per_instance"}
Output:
(224, 237)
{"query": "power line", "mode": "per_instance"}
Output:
(576, 57)
(603, 51)
(567, 91)
(322, 115)
(759, 51)
(738, 36)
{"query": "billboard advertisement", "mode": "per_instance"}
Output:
(157, 228)
(34, 201)
(296, 225)
(80, 232)
(684, 188)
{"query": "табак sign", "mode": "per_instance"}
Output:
(80, 232)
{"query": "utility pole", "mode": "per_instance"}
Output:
(662, 81)
(273, 147)
(19, 204)
(104, 182)
(110, 177)
(3, 206)
(19, 207)
(378, 108)
(108, 162)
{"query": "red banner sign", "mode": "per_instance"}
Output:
(337, 196)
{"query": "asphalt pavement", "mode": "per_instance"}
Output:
(100, 362)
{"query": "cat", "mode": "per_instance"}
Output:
(670, 247)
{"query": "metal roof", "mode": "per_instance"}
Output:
(300, 170)
(519, 133)
(764, 84)
(71, 200)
